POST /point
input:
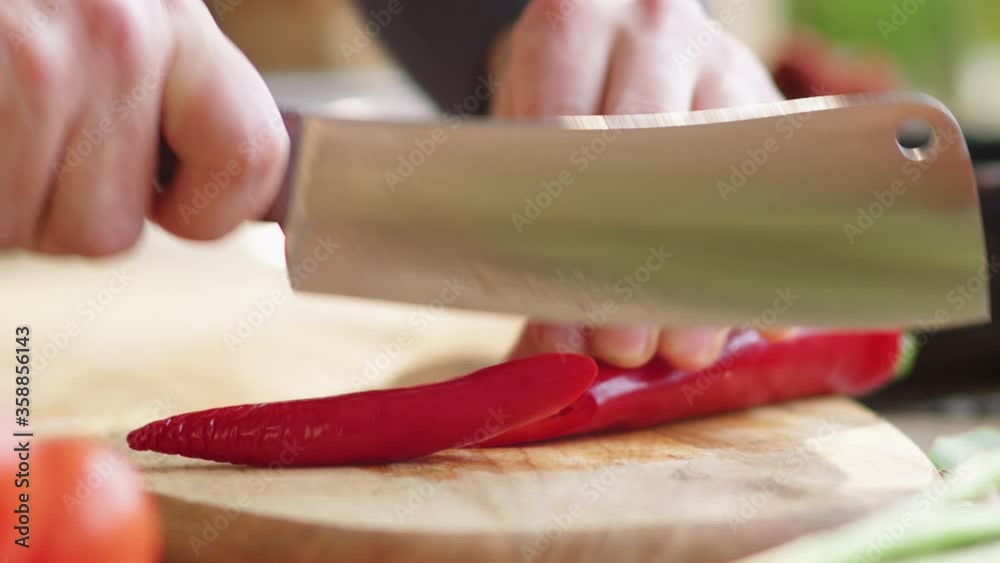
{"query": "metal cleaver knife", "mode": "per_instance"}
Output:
(819, 212)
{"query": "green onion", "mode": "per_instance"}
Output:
(949, 451)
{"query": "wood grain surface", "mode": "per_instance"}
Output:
(179, 326)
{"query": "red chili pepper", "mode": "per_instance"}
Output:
(751, 372)
(811, 66)
(377, 426)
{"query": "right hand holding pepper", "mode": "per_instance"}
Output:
(607, 57)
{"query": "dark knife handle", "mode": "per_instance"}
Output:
(167, 164)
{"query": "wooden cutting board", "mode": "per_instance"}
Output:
(180, 326)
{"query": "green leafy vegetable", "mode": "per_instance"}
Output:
(926, 526)
(949, 451)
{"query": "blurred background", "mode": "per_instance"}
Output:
(948, 48)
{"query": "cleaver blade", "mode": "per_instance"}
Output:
(849, 212)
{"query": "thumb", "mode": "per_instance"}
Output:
(225, 128)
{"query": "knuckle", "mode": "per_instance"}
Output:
(731, 50)
(270, 156)
(557, 15)
(679, 15)
(731, 53)
(545, 11)
(40, 69)
(656, 10)
(115, 26)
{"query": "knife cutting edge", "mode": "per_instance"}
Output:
(805, 212)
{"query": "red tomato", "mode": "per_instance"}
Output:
(85, 503)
